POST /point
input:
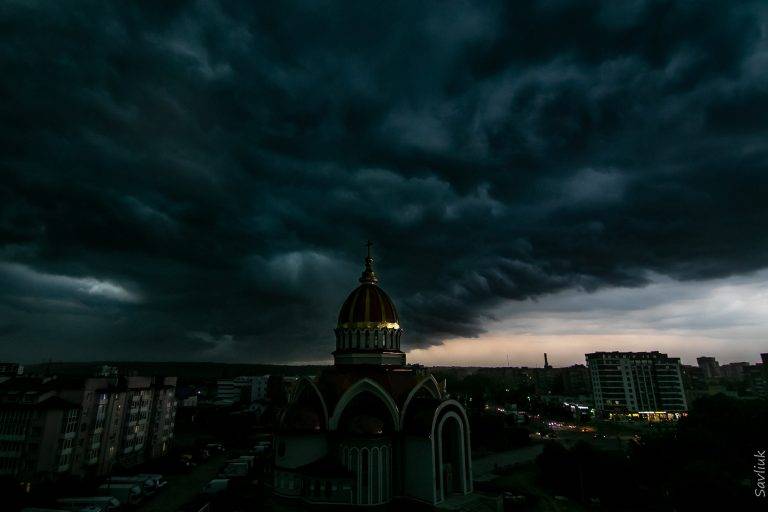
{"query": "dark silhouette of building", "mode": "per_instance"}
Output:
(709, 367)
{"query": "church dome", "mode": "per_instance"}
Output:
(368, 331)
(368, 306)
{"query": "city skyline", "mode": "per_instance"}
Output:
(196, 181)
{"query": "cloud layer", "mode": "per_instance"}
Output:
(722, 317)
(196, 179)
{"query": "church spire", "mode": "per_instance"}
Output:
(369, 276)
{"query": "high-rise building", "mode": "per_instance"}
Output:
(636, 382)
(575, 380)
(694, 384)
(709, 367)
(734, 371)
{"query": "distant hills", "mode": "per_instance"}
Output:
(187, 371)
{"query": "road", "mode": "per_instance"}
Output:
(482, 468)
(182, 488)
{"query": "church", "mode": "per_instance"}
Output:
(371, 429)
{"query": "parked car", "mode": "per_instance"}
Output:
(160, 482)
(216, 486)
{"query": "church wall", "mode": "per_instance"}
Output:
(288, 483)
(419, 469)
(296, 450)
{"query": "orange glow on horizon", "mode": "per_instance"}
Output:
(562, 350)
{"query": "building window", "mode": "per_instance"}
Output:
(70, 421)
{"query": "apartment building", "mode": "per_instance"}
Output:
(52, 426)
(10, 370)
(228, 392)
(244, 389)
(640, 383)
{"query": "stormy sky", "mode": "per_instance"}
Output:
(195, 180)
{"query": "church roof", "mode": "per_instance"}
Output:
(397, 382)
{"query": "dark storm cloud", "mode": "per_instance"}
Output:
(196, 179)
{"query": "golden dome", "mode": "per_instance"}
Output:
(368, 307)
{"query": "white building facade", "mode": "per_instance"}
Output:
(636, 382)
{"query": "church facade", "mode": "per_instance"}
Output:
(370, 428)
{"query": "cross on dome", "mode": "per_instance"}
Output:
(369, 276)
